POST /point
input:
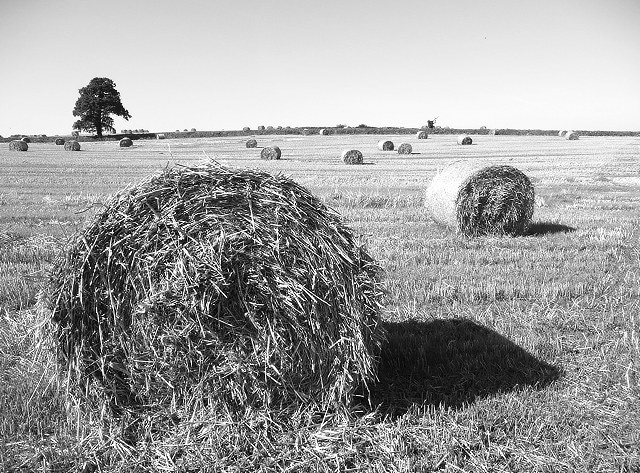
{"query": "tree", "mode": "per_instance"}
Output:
(96, 103)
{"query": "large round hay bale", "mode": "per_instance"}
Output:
(270, 152)
(26, 139)
(422, 135)
(251, 143)
(18, 145)
(323, 131)
(125, 142)
(385, 145)
(405, 148)
(193, 130)
(72, 145)
(160, 136)
(476, 199)
(261, 127)
(464, 140)
(216, 289)
(246, 129)
(571, 135)
(59, 141)
(561, 133)
(352, 156)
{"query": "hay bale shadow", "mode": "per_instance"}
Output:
(451, 363)
(544, 228)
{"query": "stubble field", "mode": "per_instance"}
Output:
(504, 354)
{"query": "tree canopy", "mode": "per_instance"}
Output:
(97, 102)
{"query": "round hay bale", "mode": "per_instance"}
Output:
(464, 140)
(385, 145)
(26, 139)
(193, 130)
(323, 131)
(270, 152)
(59, 141)
(261, 127)
(405, 148)
(352, 156)
(160, 136)
(561, 133)
(216, 289)
(252, 143)
(126, 142)
(476, 199)
(72, 145)
(18, 145)
(246, 129)
(422, 135)
(571, 135)
(270, 128)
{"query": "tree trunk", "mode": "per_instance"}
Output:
(99, 125)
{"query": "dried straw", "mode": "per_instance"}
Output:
(323, 131)
(385, 145)
(125, 142)
(477, 199)
(464, 140)
(72, 145)
(270, 152)
(422, 135)
(405, 148)
(251, 143)
(352, 156)
(571, 135)
(18, 145)
(208, 286)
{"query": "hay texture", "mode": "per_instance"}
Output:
(571, 135)
(477, 199)
(385, 145)
(352, 156)
(422, 135)
(270, 152)
(561, 133)
(323, 131)
(261, 127)
(209, 286)
(126, 143)
(59, 141)
(72, 145)
(405, 148)
(18, 145)
(464, 140)
(246, 129)
(251, 143)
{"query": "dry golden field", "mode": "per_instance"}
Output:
(504, 354)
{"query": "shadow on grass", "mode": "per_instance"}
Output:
(451, 363)
(545, 228)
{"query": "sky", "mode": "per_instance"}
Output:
(223, 65)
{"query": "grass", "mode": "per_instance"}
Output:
(504, 354)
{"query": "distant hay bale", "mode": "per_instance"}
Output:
(352, 156)
(571, 135)
(323, 131)
(18, 145)
(160, 136)
(464, 140)
(385, 145)
(26, 139)
(270, 128)
(270, 152)
(251, 143)
(125, 142)
(561, 133)
(422, 135)
(193, 130)
(59, 141)
(405, 148)
(476, 199)
(216, 289)
(246, 129)
(72, 145)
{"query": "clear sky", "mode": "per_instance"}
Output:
(214, 65)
